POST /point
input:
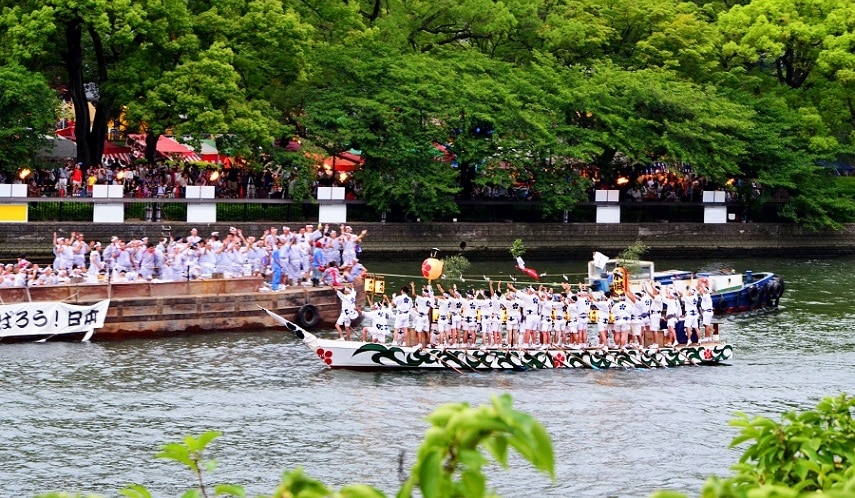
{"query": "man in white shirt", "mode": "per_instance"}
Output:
(348, 311)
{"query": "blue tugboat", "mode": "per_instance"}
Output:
(732, 292)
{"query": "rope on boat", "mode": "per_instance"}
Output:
(480, 277)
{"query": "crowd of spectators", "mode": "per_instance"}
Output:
(310, 255)
(169, 179)
(162, 179)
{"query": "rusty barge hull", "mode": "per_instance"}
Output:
(165, 309)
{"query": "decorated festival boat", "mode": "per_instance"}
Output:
(150, 309)
(353, 355)
(731, 291)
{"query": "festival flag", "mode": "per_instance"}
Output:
(600, 260)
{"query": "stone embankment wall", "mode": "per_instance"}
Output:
(488, 241)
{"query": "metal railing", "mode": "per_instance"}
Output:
(80, 209)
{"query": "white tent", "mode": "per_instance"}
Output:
(58, 148)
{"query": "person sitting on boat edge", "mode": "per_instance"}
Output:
(380, 314)
(348, 311)
(353, 272)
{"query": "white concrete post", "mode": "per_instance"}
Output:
(332, 208)
(198, 212)
(12, 209)
(113, 209)
(714, 210)
(607, 213)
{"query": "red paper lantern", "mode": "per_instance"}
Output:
(432, 268)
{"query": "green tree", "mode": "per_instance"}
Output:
(651, 115)
(28, 110)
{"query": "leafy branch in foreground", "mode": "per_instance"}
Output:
(451, 448)
(806, 455)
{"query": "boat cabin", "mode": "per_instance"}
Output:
(603, 278)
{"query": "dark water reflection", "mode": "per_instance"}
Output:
(89, 417)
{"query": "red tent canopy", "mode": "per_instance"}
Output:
(116, 153)
(344, 161)
(167, 147)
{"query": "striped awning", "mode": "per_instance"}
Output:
(123, 157)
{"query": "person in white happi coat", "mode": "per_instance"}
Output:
(380, 315)
(656, 308)
(513, 316)
(531, 317)
(442, 301)
(80, 250)
(421, 314)
(584, 299)
(706, 305)
(207, 259)
(96, 266)
(547, 323)
(349, 243)
(691, 326)
(402, 303)
(348, 311)
(63, 253)
(603, 303)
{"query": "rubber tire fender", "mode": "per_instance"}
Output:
(753, 293)
(779, 288)
(764, 295)
(722, 305)
(308, 316)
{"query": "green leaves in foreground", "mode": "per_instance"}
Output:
(449, 462)
(806, 455)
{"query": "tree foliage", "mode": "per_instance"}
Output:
(513, 92)
(27, 112)
(805, 455)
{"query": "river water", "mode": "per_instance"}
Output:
(90, 417)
